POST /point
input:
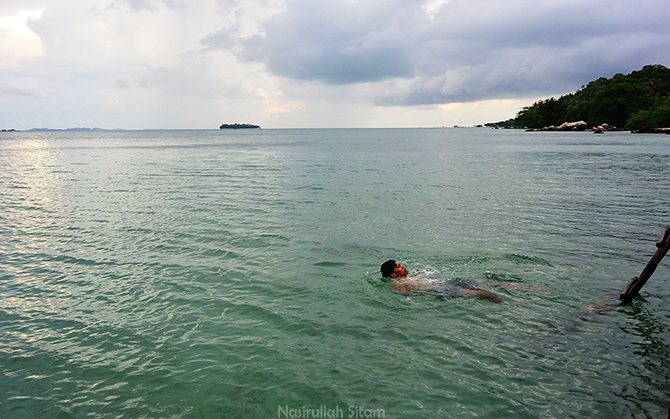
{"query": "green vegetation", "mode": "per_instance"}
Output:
(639, 100)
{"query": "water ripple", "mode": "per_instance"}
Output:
(194, 274)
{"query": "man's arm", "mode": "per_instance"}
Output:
(483, 295)
(404, 287)
(408, 284)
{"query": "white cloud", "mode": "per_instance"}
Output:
(450, 106)
(17, 41)
(432, 7)
(274, 106)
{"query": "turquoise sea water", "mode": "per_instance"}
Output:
(235, 274)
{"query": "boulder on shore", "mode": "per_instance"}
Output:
(567, 126)
(604, 127)
(652, 131)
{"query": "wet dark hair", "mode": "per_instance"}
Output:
(388, 268)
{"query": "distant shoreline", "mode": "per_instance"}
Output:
(77, 129)
(124, 130)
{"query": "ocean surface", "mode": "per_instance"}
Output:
(235, 274)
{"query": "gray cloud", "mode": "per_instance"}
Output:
(17, 91)
(463, 51)
(326, 42)
(193, 76)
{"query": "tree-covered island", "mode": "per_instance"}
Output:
(639, 101)
(239, 126)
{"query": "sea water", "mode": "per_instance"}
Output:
(235, 274)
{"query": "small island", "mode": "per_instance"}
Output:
(239, 126)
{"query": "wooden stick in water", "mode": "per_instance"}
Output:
(634, 286)
(636, 283)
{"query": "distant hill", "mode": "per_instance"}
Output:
(636, 101)
(77, 129)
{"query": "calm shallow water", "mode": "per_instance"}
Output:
(191, 274)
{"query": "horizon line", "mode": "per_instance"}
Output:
(97, 129)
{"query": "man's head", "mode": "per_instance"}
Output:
(393, 269)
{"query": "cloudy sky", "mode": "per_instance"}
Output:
(140, 64)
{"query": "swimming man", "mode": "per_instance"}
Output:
(405, 284)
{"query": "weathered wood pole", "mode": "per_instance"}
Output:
(636, 283)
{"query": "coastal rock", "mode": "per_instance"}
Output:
(567, 126)
(605, 127)
(652, 131)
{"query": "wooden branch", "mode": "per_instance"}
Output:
(636, 283)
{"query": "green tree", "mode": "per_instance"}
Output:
(656, 117)
(638, 99)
